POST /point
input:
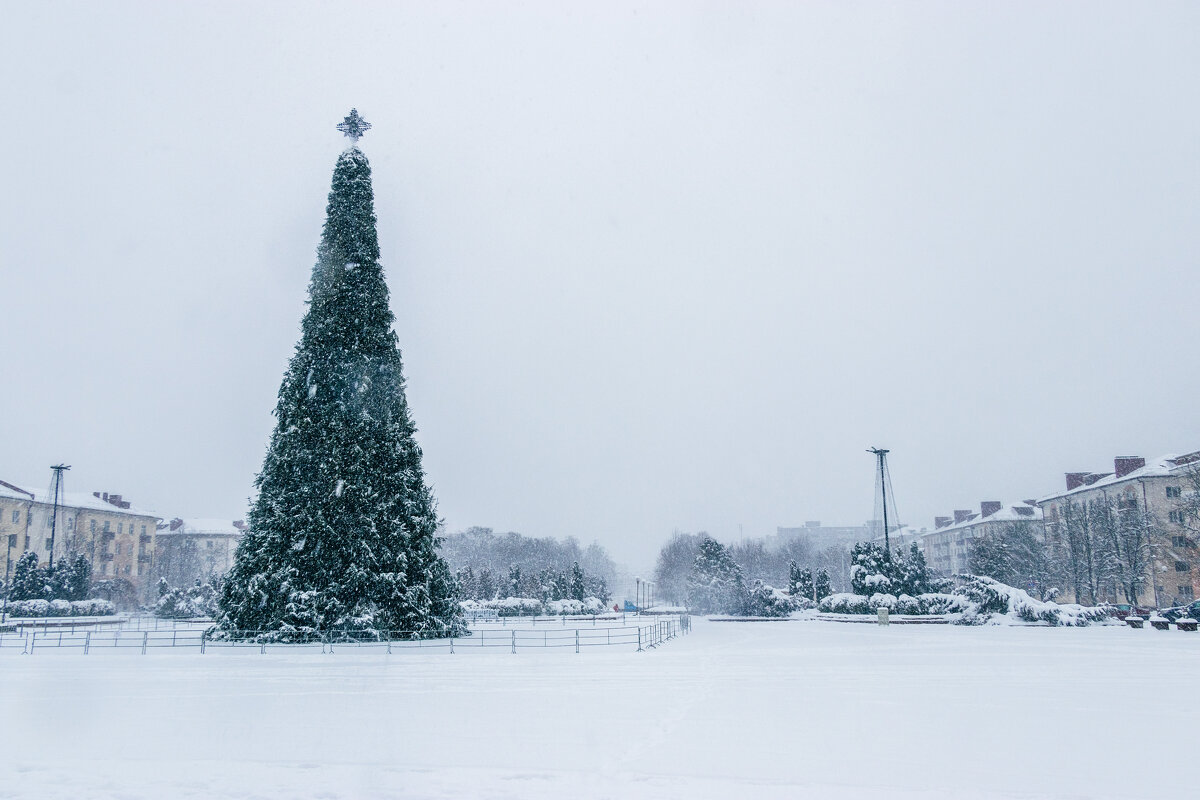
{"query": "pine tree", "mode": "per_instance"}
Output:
(486, 585)
(343, 533)
(514, 581)
(822, 587)
(716, 584)
(78, 579)
(27, 581)
(578, 588)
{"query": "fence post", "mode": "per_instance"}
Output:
(514, 641)
(389, 644)
(262, 647)
(203, 636)
(87, 642)
(145, 638)
(639, 638)
(451, 645)
(577, 640)
(32, 641)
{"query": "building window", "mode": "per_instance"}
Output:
(1175, 517)
(106, 526)
(70, 523)
(1181, 566)
(1186, 592)
(16, 517)
(143, 530)
(104, 568)
(210, 544)
(120, 527)
(92, 525)
(126, 569)
(1174, 491)
(27, 541)
(1182, 541)
(49, 544)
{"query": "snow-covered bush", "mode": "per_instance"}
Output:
(920, 605)
(994, 598)
(532, 607)
(589, 605)
(767, 601)
(61, 608)
(938, 603)
(188, 603)
(846, 603)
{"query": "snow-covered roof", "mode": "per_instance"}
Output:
(204, 527)
(1008, 512)
(1163, 466)
(68, 499)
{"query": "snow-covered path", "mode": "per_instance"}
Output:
(772, 710)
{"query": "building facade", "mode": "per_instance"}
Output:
(191, 550)
(947, 547)
(1161, 497)
(115, 537)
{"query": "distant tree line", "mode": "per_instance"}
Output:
(487, 565)
(771, 563)
(1099, 548)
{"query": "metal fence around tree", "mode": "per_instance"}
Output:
(640, 636)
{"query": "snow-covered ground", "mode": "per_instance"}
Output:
(736, 710)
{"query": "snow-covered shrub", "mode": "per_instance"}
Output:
(532, 607)
(589, 605)
(880, 600)
(992, 597)
(188, 603)
(61, 608)
(938, 603)
(767, 601)
(846, 603)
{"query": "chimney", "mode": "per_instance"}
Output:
(176, 524)
(105, 498)
(961, 515)
(96, 494)
(989, 507)
(941, 522)
(1123, 465)
(240, 524)
(1075, 480)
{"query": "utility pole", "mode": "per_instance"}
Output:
(882, 456)
(58, 470)
(12, 541)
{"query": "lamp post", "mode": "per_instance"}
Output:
(12, 540)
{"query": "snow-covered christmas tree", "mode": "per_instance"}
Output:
(343, 533)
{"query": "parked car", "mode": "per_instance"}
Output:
(1124, 610)
(1175, 613)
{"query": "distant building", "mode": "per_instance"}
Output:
(947, 547)
(116, 537)
(191, 550)
(1158, 490)
(822, 537)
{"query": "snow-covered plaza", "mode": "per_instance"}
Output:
(735, 710)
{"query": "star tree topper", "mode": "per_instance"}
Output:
(354, 126)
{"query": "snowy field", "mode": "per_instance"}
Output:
(736, 710)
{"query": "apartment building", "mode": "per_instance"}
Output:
(1161, 492)
(116, 537)
(947, 547)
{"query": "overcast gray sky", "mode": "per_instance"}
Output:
(654, 265)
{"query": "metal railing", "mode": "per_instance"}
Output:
(640, 637)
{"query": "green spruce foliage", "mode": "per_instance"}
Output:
(716, 585)
(343, 533)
